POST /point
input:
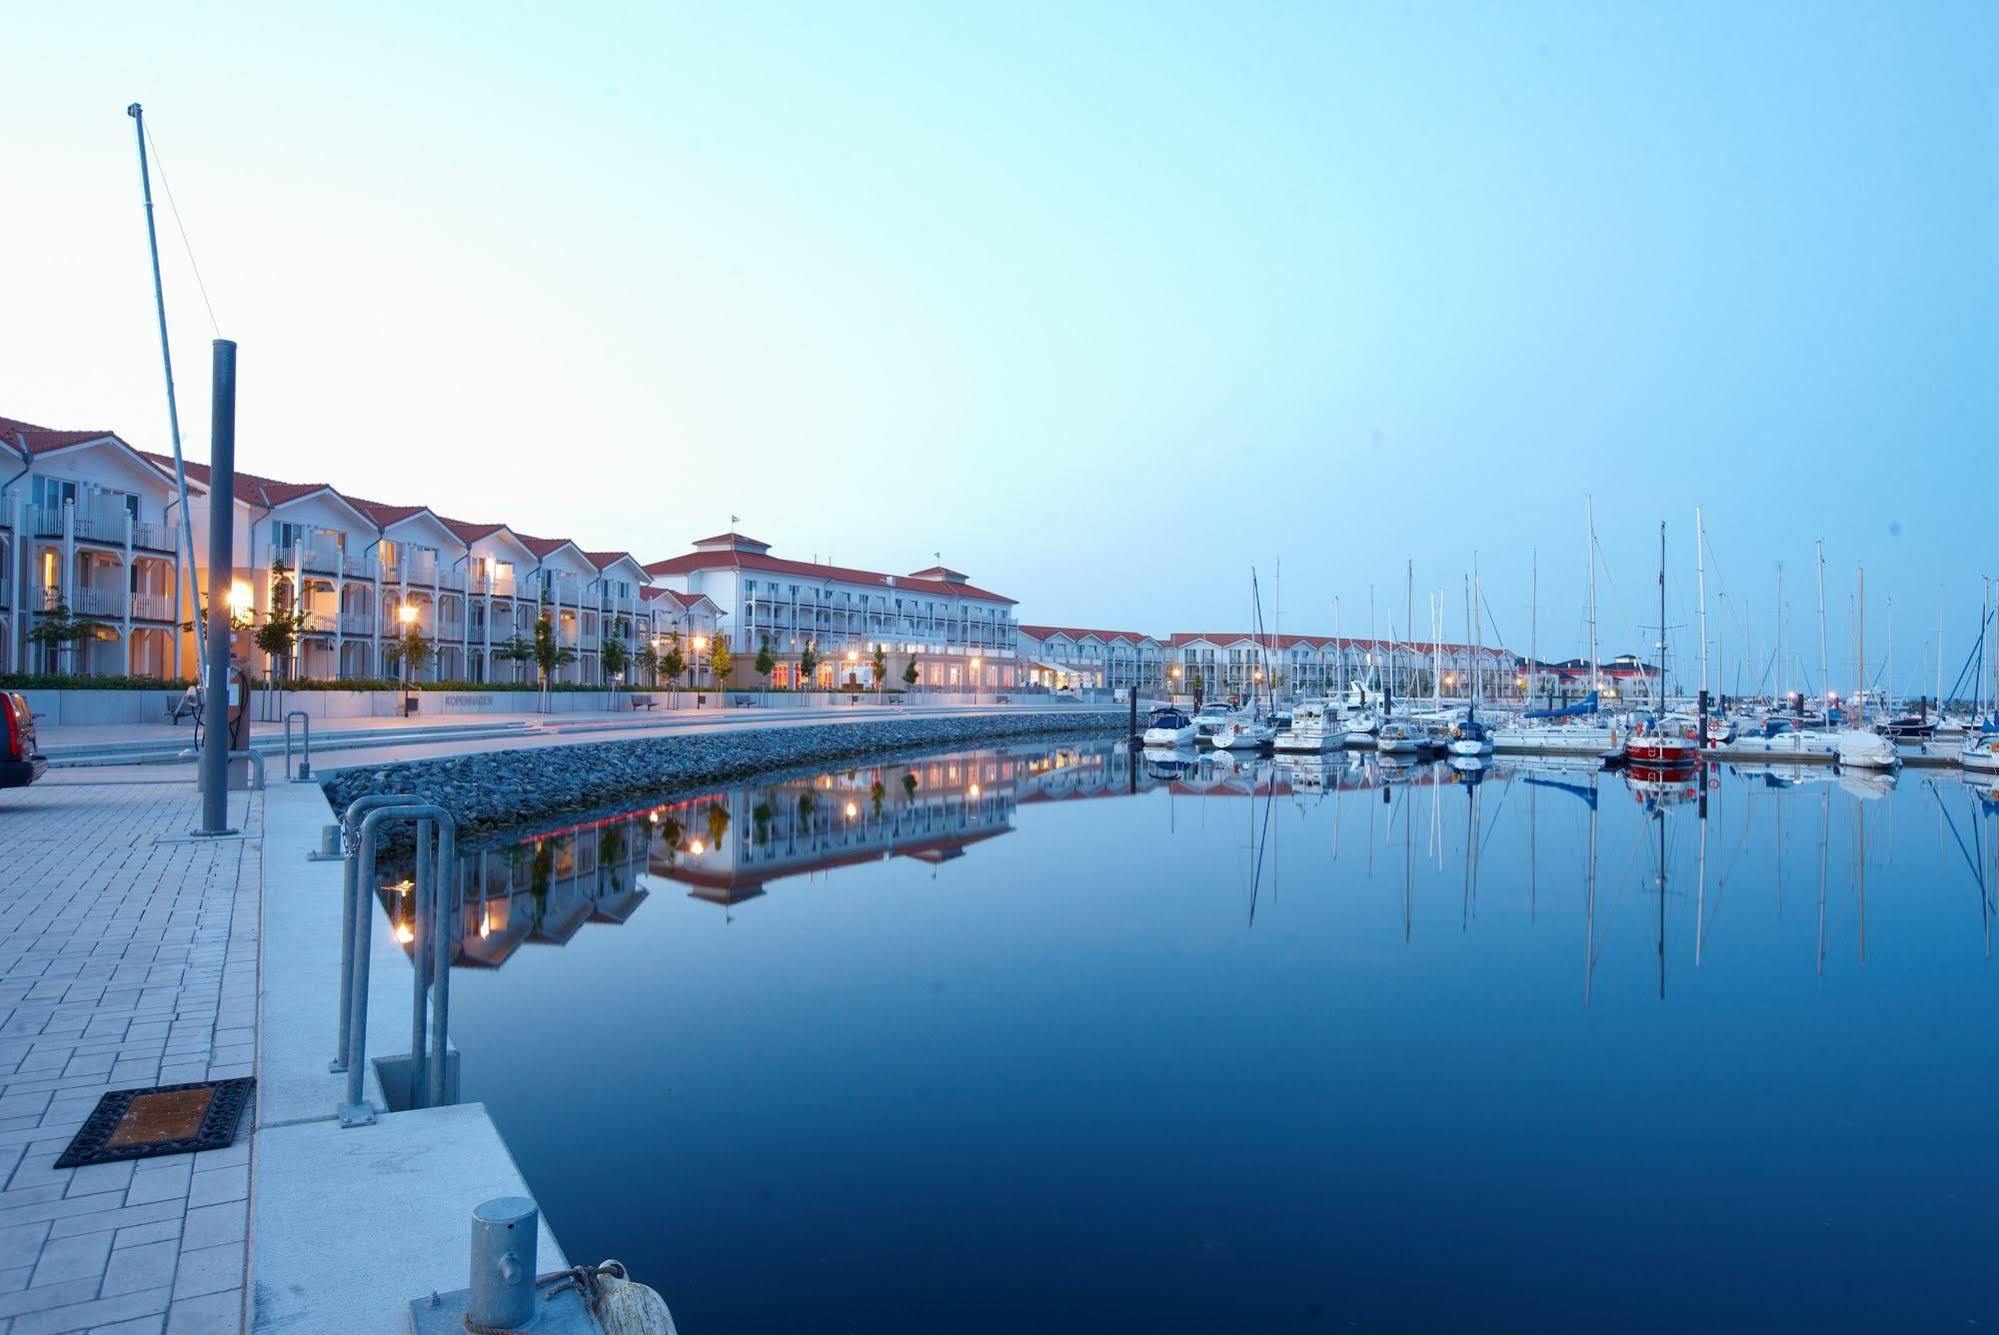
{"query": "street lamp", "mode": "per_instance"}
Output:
(407, 615)
(700, 643)
(975, 673)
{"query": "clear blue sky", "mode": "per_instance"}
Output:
(1105, 302)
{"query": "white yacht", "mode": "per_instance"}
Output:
(1981, 751)
(1244, 732)
(1315, 727)
(1169, 727)
(1860, 748)
(1208, 718)
(1400, 737)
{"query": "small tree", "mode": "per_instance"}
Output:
(808, 663)
(548, 655)
(880, 667)
(673, 663)
(278, 637)
(62, 630)
(516, 648)
(720, 661)
(645, 659)
(910, 674)
(611, 653)
(765, 663)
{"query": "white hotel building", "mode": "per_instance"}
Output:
(961, 637)
(88, 524)
(356, 564)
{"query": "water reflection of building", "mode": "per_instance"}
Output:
(728, 846)
(546, 888)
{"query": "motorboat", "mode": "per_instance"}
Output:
(1169, 727)
(1314, 727)
(1401, 737)
(1863, 749)
(1209, 717)
(1244, 733)
(1981, 749)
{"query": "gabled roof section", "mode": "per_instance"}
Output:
(1077, 633)
(27, 438)
(254, 490)
(543, 548)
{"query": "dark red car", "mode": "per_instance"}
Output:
(20, 763)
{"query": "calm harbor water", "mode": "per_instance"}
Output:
(1018, 1040)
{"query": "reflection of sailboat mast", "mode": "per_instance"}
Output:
(1860, 871)
(1533, 876)
(1825, 836)
(1660, 816)
(1589, 882)
(1408, 863)
(1700, 886)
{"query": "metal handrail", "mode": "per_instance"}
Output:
(351, 900)
(431, 930)
(305, 762)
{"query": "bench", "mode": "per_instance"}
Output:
(188, 706)
(644, 702)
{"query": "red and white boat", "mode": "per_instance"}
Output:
(1669, 743)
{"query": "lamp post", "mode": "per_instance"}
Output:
(406, 614)
(853, 664)
(975, 675)
(700, 645)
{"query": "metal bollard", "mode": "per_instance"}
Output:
(504, 1242)
(305, 760)
(329, 841)
(443, 926)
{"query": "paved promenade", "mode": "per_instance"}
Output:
(124, 961)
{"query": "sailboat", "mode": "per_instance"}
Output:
(1661, 742)
(1468, 737)
(1250, 730)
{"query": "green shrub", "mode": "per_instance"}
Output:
(63, 681)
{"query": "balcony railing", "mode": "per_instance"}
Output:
(96, 602)
(357, 623)
(153, 606)
(155, 537)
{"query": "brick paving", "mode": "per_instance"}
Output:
(124, 962)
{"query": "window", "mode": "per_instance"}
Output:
(49, 493)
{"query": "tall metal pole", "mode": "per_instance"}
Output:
(1594, 685)
(1825, 674)
(221, 570)
(167, 363)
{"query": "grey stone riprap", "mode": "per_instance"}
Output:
(495, 789)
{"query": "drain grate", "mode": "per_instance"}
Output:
(167, 1119)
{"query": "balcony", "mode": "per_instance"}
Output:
(354, 565)
(153, 606)
(357, 623)
(155, 537)
(500, 584)
(92, 602)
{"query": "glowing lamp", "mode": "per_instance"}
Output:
(696, 848)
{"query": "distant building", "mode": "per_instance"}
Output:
(961, 637)
(1070, 657)
(1237, 663)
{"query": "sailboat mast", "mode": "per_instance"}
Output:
(1825, 681)
(1662, 619)
(199, 618)
(1860, 646)
(1533, 615)
(1700, 575)
(1783, 668)
(1590, 501)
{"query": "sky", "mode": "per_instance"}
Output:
(1106, 303)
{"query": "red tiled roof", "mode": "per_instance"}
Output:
(1077, 633)
(544, 547)
(730, 537)
(741, 560)
(469, 532)
(382, 513)
(41, 439)
(605, 560)
(263, 491)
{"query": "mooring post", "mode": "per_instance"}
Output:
(221, 575)
(1704, 740)
(504, 1243)
(444, 931)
